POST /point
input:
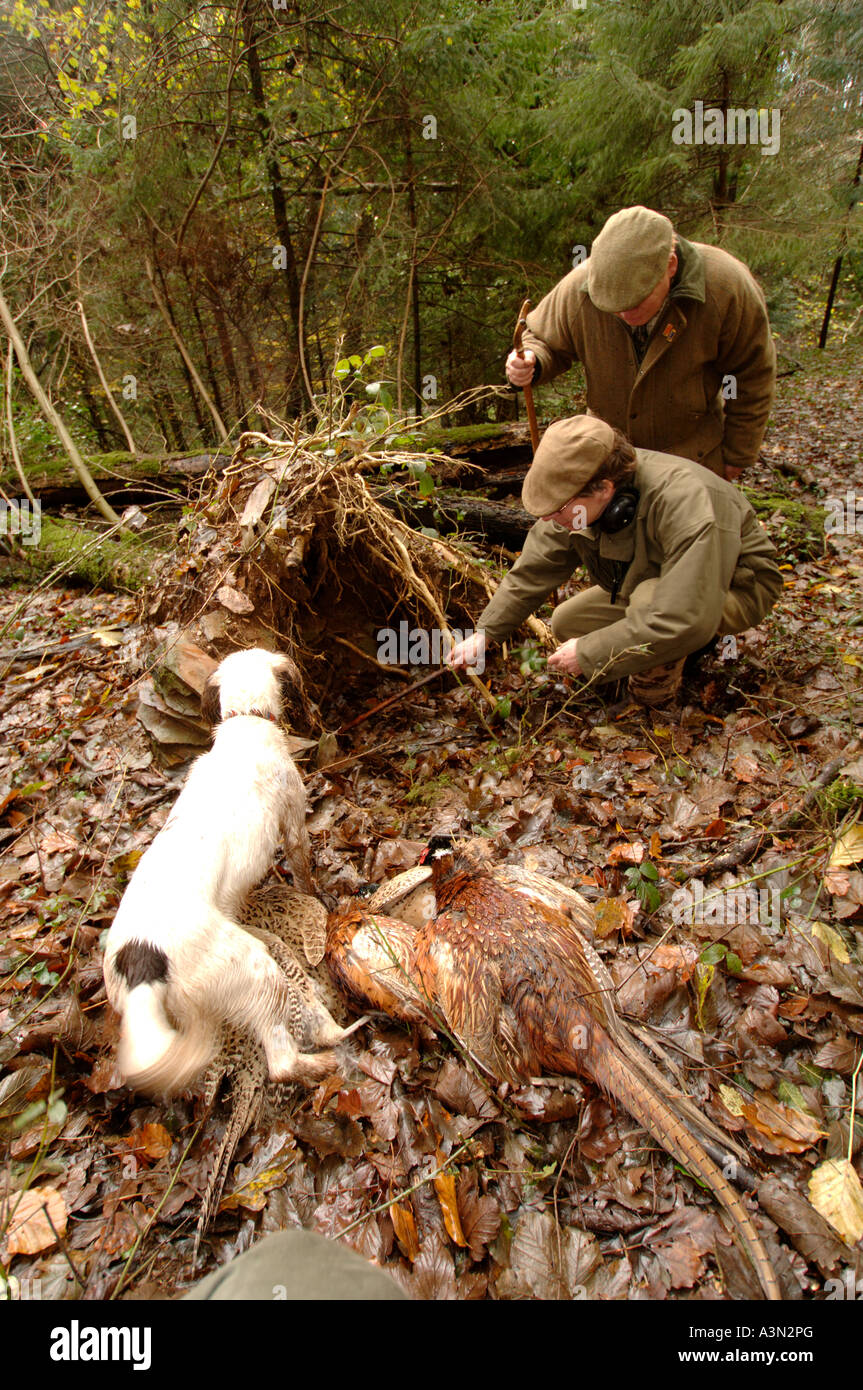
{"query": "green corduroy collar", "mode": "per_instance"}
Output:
(691, 282)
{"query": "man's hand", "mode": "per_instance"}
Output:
(470, 652)
(732, 474)
(566, 658)
(519, 370)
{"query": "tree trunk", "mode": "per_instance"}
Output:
(837, 268)
(105, 387)
(164, 310)
(52, 416)
(415, 281)
(227, 351)
(205, 347)
(277, 195)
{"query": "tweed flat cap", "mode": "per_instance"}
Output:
(569, 454)
(628, 258)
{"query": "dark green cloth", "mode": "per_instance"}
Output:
(694, 533)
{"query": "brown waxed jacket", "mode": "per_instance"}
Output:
(694, 532)
(714, 326)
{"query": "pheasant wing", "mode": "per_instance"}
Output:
(373, 958)
(465, 983)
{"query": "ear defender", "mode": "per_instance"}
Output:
(620, 511)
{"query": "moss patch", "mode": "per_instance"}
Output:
(796, 528)
(429, 441)
(76, 552)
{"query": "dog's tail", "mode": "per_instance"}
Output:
(153, 1055)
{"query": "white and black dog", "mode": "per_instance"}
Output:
(177, 963)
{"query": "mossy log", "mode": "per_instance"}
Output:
(122, 477)
(124, 562)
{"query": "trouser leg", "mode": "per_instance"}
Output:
(585, 612)
(593, 609)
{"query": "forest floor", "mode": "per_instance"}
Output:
(462, 1192)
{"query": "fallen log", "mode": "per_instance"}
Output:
(498, 522)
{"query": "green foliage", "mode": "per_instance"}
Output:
(303, 178)
(641, 879)
(840, 797)
(717, 953)
(531, 658)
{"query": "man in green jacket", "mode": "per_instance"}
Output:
(675, 555)
(674, 339)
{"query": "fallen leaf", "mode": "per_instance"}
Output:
(681, 959)
(836, 1192)
(57, 843)
(36, 1220)
(405, 1228)
(837, 883)
(463, 1092)
(612, 915)
(433, 1274)
(778, 1128)
(233, 600)
(444, 1185)
(837, 1054)
(253, 1194)
(152, 1140)
(548, 1261)
(809, 1231)
(731, 1099)
(480, 1216)
(108, 636)
(626, 853)
(745, 769)
(848, 848)
(831, 939)
(257, 501)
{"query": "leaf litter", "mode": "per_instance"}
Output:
(461, 1189)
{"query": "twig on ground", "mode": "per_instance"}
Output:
(749, 847)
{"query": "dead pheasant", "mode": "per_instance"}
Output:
(410, 896)
(516, 983)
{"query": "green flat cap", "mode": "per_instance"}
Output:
(569, 454)
(628, 259)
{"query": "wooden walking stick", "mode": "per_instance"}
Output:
(528, 390)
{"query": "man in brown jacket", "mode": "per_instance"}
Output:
(675, 554)
(674, 339)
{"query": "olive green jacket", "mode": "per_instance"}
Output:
(693, 531)
(714, 326)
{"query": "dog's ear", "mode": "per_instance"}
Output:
(211, 700)
(286, 670)
(285, 667)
